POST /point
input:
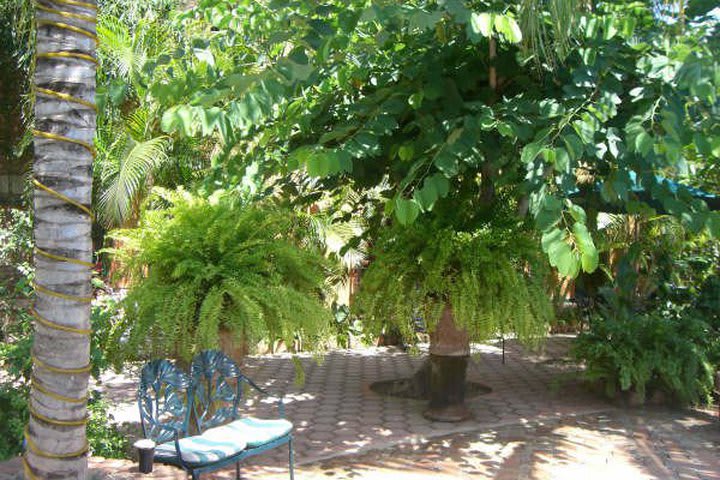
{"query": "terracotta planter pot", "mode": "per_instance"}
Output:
(449, 355)
(234, 347)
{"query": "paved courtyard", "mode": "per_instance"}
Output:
(538, 422)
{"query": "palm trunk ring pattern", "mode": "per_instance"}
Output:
(56, 443)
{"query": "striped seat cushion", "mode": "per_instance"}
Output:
(258, 431)
(213, 445)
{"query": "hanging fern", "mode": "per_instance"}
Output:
(202, 266)
(493, 278)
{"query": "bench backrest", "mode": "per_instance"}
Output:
(217, 388)
(163, 400)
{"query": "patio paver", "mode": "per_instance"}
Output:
(538, 422)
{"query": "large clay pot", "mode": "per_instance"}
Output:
(233, 346)
(449, 355)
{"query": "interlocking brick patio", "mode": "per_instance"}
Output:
(538, 422)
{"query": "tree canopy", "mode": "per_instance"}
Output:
(454, 99)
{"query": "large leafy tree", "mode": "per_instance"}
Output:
(566, 110)
(423, 96)
(65, 127)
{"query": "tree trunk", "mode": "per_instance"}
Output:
(65, 127)
(446, 370)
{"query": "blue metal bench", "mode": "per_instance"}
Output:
(170, 402)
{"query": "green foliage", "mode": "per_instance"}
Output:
(133, 153)
(15, 295)
(668, 349)
(492, 277)
(17, 32)
(105, 438)
(16, 239)
(202, 266)
(586, 111)
(103, 317)
(347, 326)
(13, 417)
(708, 300)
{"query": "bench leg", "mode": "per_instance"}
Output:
(292, 459)
(237, 471)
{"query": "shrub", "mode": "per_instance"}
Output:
(105, 438)
(666, 349)
(13, 417)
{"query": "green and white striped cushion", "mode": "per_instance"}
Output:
(258, 431)
(213, 445)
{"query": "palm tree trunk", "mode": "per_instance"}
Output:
(65, 127)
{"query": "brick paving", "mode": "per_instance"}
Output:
(537, 423)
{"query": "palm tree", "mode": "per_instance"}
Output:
(65, 127)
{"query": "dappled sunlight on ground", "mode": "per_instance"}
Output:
(537, 423)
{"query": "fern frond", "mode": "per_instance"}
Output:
(203, 266)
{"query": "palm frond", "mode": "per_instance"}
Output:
(129, 176)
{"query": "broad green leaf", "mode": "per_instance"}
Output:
(589, 256)
(442, 184)
(551, 108)
(551, 237)
(406, 152)
(575, 147)
(406, 211)
(592, 27)
(549, 213)
(424, 20)
(585, 129)
(426, 196)
(447, 163)
(415, 100)
(643, 143)
(481, 23)
(434, 187)
(628, 26)
(530, 151)
(562, 257)
(210, 119)
(505, 129)
(549, 155)
(577, 212)
(715, 145)
(328, 162)
(508, 28)
(179, 118)
(613, 141)
(562, 160)
(363, 144)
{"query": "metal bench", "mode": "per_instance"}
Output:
(194, 419)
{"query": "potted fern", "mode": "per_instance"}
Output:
(203, 267)
(467, 285)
